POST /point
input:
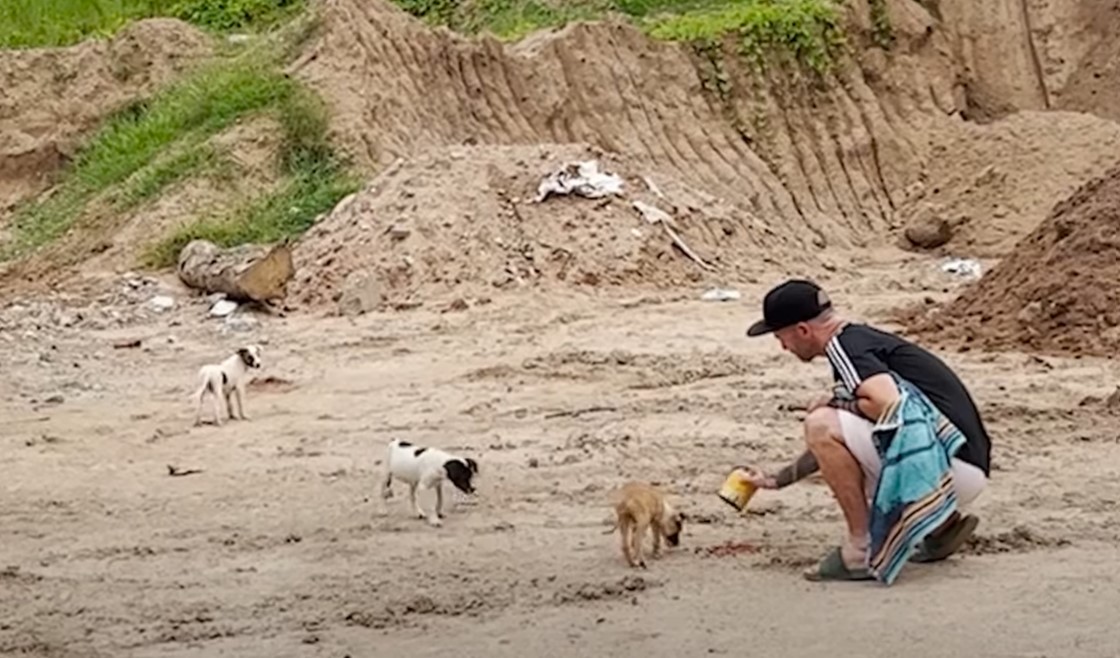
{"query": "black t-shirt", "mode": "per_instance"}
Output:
(858, 352)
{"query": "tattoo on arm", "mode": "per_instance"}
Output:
(851, 406)
(801, 467)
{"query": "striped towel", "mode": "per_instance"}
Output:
(915, 493)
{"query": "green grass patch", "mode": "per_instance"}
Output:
(151, 145)
(32, 23)
(807, 31)
(881, 32)
(207, 102)
(287, 211)
(193, 109)
(314, 181)
(152, 180)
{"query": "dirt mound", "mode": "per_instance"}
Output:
(993, 184)
(1057, 292)
(51, 97)
(843, 168)
(463, 221)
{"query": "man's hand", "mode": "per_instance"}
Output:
(818, 402)
(758, 478)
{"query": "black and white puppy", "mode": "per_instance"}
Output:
(227, 380)
(426, 468)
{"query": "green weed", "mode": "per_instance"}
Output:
(31, 23)
(195, 108)
(152, 180)
(288, 211)
(314, 181)
(881, 32)
(236, 14)
(808, 31)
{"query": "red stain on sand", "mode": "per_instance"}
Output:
(726, 549)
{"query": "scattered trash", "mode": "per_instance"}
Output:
(222, 308)
(581, 178)
(175, 471)
(653, 187)
(162, 303)
(126, 343)
(655, 215)
(720, 295)
(965, 267)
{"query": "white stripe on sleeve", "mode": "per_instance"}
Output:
(839, 358)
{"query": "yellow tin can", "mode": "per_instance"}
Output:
(737, 490)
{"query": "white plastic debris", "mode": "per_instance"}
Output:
(222, 308)
(162, 303)
(653, 214)
(580, 178)
(720, 295)
(964, 267)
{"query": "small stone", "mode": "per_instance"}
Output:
(534, 462)
(222, 308)
(928, 229)
(162, 303)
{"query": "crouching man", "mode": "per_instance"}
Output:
(894, 403)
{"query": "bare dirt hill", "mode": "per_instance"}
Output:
(463, 222)
(50, 98)
(885, 145)
(1040, 54)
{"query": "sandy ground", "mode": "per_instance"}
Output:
(282, 547)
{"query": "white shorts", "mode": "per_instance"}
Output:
(968, 480)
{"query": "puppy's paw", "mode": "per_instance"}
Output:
(435, 522)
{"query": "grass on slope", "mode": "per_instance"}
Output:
(314, 181)
(809, 31)
(29, 23)
(139, 152)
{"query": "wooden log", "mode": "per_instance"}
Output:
(255, 273)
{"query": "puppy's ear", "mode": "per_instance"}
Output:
(472, 464)
(459, 475)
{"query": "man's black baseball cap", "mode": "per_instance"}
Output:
(794, 301)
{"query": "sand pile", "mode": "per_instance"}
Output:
(847, 167)
(1059, 291)
(463, 222)
(51, 97)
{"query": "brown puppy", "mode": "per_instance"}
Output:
(638, 506)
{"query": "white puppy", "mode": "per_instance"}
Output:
(426, 468)
(226, 380)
